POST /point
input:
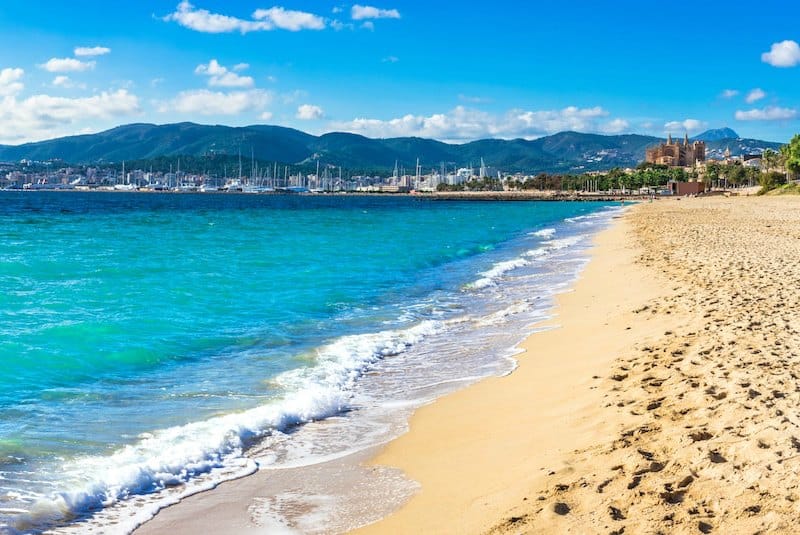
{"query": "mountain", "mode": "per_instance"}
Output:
(738, 147)
(562, 152)
(716, 134)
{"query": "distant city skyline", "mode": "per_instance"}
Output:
(454, 73)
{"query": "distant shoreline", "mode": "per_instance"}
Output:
(438, 196)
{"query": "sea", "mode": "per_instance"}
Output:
(154, 345)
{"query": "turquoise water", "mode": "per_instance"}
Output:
(161, 335)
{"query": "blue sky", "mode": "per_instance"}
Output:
(450, 71)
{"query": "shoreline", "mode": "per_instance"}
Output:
(478, 452)
(226, 508)
(679, 415)
(532, 195)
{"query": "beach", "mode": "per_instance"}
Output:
(664, 402)
(660, 400)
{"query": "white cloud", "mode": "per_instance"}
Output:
(66, 82)
(44, 116)
(91, 50)
(770, 113)
(783, 54)
(729, 93)
(368, 25)
(220, 76)
(202, 20)
(309, 112)
(241, 67)
(615, 126)
(358, 12)
(266, 116)
(10, 83)
(687, 125)
(155, 82)
(754, 95)
(339, 25)
(67, 65)
(464, 124)
(287, 19)
(205, 102)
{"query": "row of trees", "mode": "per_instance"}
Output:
(781, 166)
(646, 175)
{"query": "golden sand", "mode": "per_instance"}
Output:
(665, 400)
(693, 424)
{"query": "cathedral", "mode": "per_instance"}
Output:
(677, 154)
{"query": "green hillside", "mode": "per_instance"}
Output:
(562, 152)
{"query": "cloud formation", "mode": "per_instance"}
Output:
(783, 54)
(770, 113)
(359, 12)
(287, 19)
(754, 95)
(466, 124)
(44, 116)
(220, 76)
(687, 125)
(205, 102)
(66, 82)
(615, 126)
(67, 65)
(729, 93)
(202, 20)
(91, 51)
(309, 112)
(10, 83)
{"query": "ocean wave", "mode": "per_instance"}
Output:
(544, 233)
(176, 455)
(499, 317)
(602, 214)
(489, 277)
(564, 243)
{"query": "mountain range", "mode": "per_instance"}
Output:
(562, 152)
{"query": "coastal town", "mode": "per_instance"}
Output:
(674, 167)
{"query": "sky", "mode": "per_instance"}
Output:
(453, 71)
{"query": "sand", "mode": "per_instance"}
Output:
(478, 453)
(663, 400)
(692, 425)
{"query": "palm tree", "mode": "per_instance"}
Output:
(783, 157)
(769, 159)
(791, 156)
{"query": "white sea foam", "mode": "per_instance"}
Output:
(499, 317)
(544, 233)
(594, 217)
(534, 253)
(489, 277)
(215, 446)
(564, 243)
(175, 455)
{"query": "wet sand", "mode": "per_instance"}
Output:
(478, 453)
(652, 410)
(664, 400)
